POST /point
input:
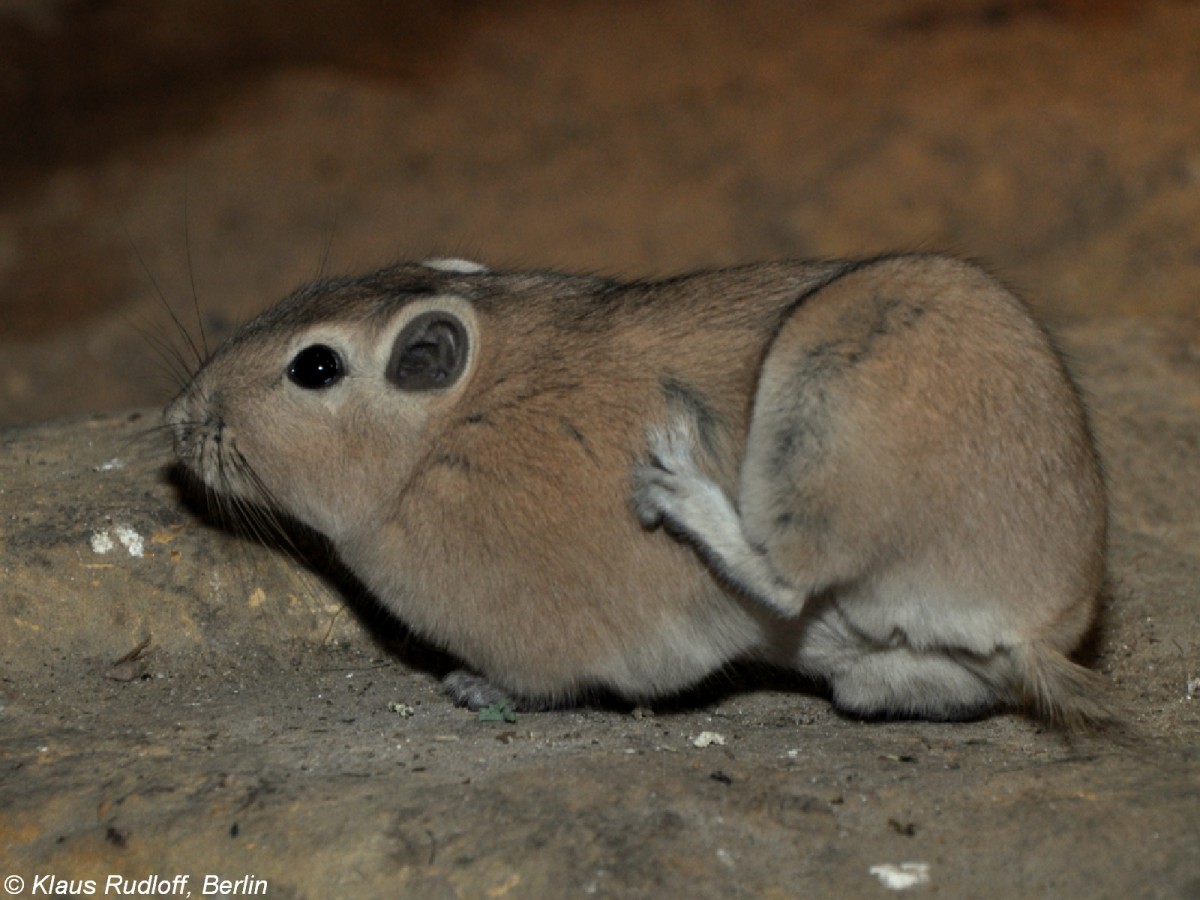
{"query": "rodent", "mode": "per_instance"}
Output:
(877, 472)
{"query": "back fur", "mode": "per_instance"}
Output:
(919, 461)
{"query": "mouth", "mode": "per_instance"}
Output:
(206, 452)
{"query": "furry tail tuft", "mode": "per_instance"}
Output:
(1061, 692)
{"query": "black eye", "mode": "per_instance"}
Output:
(316, 367)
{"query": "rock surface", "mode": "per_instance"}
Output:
(178, 700)
(264, 728)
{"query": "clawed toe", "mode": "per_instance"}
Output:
(659, 482)
(474, 691)
(646, 494)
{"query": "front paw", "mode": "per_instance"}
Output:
(477, 693)
(474, 691)
(649, 495)
(661, 484)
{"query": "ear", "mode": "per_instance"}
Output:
(430, 352)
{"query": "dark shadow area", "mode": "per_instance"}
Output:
(310, 551)
(84, 79)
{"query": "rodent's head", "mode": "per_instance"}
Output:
(320, 406)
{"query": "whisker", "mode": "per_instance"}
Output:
(246, 517)
(142, 437)
(163, 299)
(172, 363)
(323, 263)
(187, 246)
(267, 511)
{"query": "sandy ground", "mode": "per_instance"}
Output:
(275, 728)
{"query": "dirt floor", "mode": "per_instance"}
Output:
(178, 702)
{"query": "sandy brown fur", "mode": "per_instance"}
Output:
(496, 517)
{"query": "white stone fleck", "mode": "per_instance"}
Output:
(130, 540)
(902, 877)
(102, 542)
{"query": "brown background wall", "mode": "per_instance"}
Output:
(228, 151)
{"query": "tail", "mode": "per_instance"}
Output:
(1061, 692)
